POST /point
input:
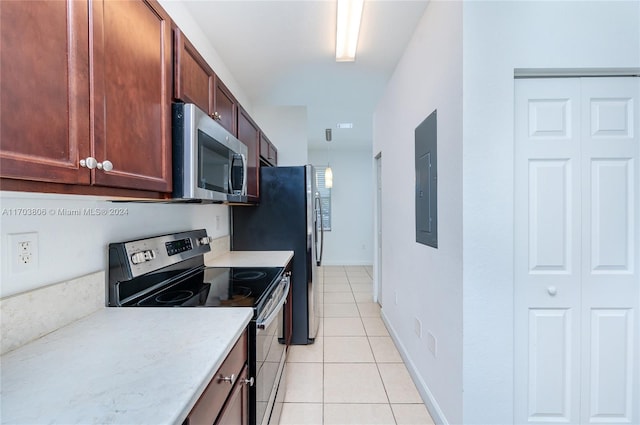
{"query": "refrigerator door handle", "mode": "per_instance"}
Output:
(319, 223)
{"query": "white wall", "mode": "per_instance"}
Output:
(498, 37)
(286, 128)
(75, 245)
(427, 281)
(350, 241)
(71, 246)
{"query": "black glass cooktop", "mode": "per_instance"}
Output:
(216, 287)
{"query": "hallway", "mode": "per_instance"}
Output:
(353, 373)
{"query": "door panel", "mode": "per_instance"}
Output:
(611, 363)
(550, 350)
(44, 50)
(547, 252)
(612, 216)
(576, 209)
(610, 279)
(550, 209)
(132, 67)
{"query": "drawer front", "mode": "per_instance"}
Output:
(210, 404)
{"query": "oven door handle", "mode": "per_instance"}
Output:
(264, 323)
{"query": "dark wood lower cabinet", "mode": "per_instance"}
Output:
(236, 410)
(226, 399)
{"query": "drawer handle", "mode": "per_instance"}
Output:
(248, 382)
(230, 379)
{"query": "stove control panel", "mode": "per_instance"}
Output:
(142, 256)
(179, 246)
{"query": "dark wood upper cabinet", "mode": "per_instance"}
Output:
(193, 78)
(132, 71)
(268, 152)
(44, 90)
(249, 134)
(92, 79)
(225, 107)
(195, 82)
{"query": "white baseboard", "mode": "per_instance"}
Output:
(430, 402)
(346, 263)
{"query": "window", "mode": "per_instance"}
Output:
(325, 198)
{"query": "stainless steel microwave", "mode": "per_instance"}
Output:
(209, 163)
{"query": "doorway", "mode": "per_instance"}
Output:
(377, 290)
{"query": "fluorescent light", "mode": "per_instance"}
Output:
(328, 178)
(347, 29)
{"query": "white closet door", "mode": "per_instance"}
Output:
(610, 226)
(576, 251)
(547, 251)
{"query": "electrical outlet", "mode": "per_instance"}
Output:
(395, 297)
(24, 251)
(217, 222)
(417, 327)
(432, 344)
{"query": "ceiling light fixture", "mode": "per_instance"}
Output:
(328, 173)
(347, 29)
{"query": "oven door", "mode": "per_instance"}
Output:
(270, 353)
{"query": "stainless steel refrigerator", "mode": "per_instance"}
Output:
(288, 217)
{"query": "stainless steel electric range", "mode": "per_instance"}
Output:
(169, 271)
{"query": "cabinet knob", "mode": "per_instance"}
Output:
(248, 382)
(552, 290)
(105, 165)
(230, 379)
(89, 162)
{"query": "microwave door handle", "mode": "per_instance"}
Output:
(233, 159)
(244, 174)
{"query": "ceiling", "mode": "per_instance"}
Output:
(283, 53)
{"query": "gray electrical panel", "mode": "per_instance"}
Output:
(427, 181)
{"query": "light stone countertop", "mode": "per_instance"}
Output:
(120, 365)
(251, 259)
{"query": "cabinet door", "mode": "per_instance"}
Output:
(225, 107)
(131, 84)
(236, 409)
(268, 152)
(44, 90)
(249, 134)
(193, 78)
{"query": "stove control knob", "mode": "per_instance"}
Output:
(138, 258)
(205, 240)
(142, 256)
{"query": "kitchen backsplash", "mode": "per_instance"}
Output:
(33, 314)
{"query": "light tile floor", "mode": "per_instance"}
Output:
(353, 373)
